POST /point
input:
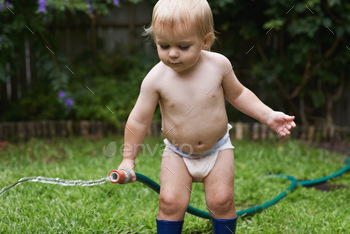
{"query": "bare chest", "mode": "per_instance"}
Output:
(181, 94)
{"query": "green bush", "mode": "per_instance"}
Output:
(106, 75)
(109, 89)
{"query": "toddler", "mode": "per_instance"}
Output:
(190, 83)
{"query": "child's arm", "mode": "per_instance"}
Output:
(248, 103)
(138, 123)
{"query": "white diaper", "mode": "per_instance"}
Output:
(200, 165)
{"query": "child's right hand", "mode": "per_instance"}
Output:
(128, 164)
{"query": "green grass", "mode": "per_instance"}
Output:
(36, 207)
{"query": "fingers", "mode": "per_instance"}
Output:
(293, 124)
(282, 123)
(283, 132)
(285, 129)
(290, 123)
(129, 166)
(133, 175)
(290, 117)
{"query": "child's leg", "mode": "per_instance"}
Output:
(175, 185)
(219, 193)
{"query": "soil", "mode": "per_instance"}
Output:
(326, 187)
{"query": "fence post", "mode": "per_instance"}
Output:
(264, 131)
(70, 127)
(43, 125)
(239, 131)
(84, 127)
(311, 133)
(255, 133)
(21, 131)
(51, 128)
(39, 129)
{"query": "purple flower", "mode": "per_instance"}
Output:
(115, 2)
(89, 6)
(69, 103)
(6, 4)
(42, 5)
(61, 94)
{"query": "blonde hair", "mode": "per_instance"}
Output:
(183, 14)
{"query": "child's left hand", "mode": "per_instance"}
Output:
(281, 123)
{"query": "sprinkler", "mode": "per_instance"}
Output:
(121, 176)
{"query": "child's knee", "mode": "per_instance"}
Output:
(171, 203)
(221, 201)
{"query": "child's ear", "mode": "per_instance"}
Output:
(208, 41)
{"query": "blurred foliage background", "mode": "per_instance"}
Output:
(293, 55)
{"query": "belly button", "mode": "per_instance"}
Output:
(199, 143)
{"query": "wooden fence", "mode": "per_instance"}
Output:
(117, 30)
(23, 131)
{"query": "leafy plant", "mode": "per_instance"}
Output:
(30, 21)
(111, 95)
(300, 54)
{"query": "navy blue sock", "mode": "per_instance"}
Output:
(223, 226)
(169, 227)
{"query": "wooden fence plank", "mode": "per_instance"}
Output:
(51, 128)
(256, 131)
(84, 128)
(44, 129)
(239, 131)
(22, 131)
(311, 133)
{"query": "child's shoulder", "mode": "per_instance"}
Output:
(217, 60)
(212, 54)
(154, 75)
(156, 71)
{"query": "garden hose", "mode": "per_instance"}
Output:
(324, 179)
(124, 176)
(203, 214)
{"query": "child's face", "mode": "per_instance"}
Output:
(179, 49)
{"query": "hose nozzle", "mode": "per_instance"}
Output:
(121, 176)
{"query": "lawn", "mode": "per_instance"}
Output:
(37, 207)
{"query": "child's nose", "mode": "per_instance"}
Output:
(173, 53)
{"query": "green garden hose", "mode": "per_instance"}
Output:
(120, 175)
(324, 179)
(194, 211)
(294, 182)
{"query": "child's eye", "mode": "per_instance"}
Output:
(164, 47)
(184, 47)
